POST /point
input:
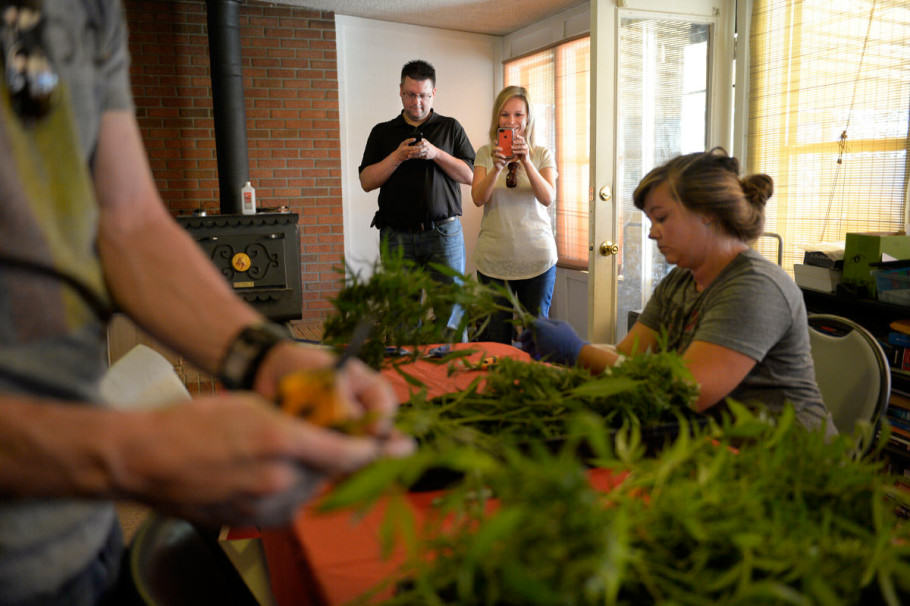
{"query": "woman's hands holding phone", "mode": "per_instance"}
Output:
(510, 147)
(519, 148)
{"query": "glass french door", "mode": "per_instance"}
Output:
(661, 86)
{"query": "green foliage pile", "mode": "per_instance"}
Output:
(754, 511)
(405, 303)
(518, 401)
(751, 510)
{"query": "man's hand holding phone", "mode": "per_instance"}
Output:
(419, 148)
(412, 148)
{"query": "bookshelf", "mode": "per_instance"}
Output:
(876, 317)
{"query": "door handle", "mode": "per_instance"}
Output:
(608, 248)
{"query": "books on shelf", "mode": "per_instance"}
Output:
(897, 416)
(898, 355)
(899, 442)
(899, 426)
(901, 326)
(899, 404)
(899, 432)
(899, 339)
(900, 381)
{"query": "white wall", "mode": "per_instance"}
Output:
(370, 56)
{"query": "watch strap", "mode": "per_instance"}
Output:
(246, 352)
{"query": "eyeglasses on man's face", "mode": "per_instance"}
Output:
(408, 96)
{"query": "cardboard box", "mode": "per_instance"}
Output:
(822, 279)
(861, 249)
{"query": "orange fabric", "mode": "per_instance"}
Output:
(435, 375)
(341, 550)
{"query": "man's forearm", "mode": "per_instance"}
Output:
(375, 175)
(50, 449)
(457, 170)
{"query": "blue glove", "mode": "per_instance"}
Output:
(553, 341)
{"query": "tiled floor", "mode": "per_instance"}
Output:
(308, 331)
(131, 517)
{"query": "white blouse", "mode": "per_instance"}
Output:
(516, 240)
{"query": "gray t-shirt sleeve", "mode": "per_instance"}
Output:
(114, 60)
(87, 43)
(749, 315)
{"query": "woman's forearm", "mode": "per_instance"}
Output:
(484, 183)
(543, 183)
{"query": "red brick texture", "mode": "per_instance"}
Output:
(291, 97)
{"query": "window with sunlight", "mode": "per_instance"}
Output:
(828, 118)
(558, 80)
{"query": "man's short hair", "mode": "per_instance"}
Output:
(418, 70)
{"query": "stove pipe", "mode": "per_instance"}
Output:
(227, 101)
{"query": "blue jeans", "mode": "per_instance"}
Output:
(535, 295)
(442, 244)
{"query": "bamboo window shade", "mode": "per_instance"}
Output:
(829, 110)
(558, 83)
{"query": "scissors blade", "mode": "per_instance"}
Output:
(361, 332)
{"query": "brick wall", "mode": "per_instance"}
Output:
(291, 97)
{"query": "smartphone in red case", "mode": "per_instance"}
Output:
(505, 141)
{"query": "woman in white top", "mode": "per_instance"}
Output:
(516, 246)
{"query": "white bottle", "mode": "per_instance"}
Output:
(248, 199)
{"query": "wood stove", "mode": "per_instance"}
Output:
(259, 255)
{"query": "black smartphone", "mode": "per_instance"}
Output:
(417, 137)
(505, 141)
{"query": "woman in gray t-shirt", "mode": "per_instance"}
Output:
(738, 320)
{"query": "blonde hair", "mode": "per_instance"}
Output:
(708, 183)
(501, 99)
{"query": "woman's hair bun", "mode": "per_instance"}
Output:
(757, 188)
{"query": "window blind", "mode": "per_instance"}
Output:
(573, 143)
(558, 80)
(828, 117)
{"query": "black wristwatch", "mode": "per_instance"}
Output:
(246, 352)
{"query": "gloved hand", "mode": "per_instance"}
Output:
(552, 341)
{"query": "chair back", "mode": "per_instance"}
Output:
(780, 245)
(851, 370)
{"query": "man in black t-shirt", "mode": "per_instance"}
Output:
(418, 161)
